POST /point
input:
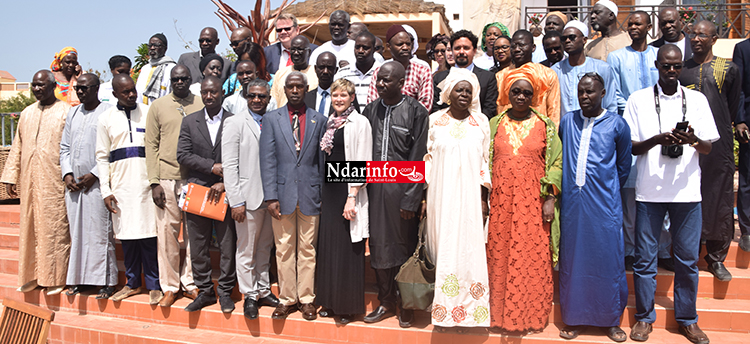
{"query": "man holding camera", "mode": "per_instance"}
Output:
(670, 126)
(719, 80)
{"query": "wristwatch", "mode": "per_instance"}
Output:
(351, 195)
(694, 143)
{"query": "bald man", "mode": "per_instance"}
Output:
(208, 40)
(123, 178)
(671, 27)
(33, 168)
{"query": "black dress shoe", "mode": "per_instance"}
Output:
(345, 319)
(666, 264)
(227, 304)
(270, 300)
(378, 314)
(745, 242)
(721, 272)
(326, 313)
(203, 300)
(405, 318)
(250, 308)
(629, 261)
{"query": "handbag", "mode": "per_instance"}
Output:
(416, 277)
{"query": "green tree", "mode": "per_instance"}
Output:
(13, 106)
(140, 60)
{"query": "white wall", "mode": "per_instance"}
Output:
(453, 7)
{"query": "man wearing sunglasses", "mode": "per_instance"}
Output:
(278, 54)
(719, 80)
(241, 156)
(153, 81)
(208, 40)
(166, 177)
(668, 182)
(236, 103)
(570, 70)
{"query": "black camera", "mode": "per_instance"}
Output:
(672, 151)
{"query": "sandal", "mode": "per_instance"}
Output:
(571, 332)
(616, 334)
(105, 293)
(73, 291)
(462, 330)
(441, 329)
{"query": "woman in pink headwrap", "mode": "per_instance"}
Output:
(66, 69)
(526, 168)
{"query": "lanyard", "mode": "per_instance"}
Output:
(658, 107)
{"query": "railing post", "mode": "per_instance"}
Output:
(2, 123)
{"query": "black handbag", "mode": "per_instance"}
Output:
(416, 277)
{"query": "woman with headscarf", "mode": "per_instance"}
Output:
(490, 33)
(66, 69)
(501, 54)
(457, 175)
(523, 231)
(212, 64)
(344, 216)
(437, 48)
(254, 53)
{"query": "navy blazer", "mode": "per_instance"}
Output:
(487, 93)
(741, 57)
(273, 54)
(688, 49)
(311, 97)
(192, 62)
(195, 150)
(287, 177)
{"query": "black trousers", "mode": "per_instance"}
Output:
(717, 250)
(140, 256)
(200, 229)
(387, 287)
(743, 191)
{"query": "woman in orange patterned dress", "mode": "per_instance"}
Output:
(526, 160)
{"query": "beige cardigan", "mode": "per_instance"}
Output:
(358, 147)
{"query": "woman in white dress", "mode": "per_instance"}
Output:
(458, 182)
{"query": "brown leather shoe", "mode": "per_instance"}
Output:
(282, 311)
(191, 294)
(309, 312)
(694, 334)
(168, 299)
(640, 331)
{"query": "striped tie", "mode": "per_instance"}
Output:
(295, 130)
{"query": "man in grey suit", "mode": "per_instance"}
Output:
(292, 164)
(208, 40)
(240, 155)
(199, 151)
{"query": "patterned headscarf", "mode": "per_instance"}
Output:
(503, 30)
(560, 15)
(525, 72)
(455, 76)
(56, 63)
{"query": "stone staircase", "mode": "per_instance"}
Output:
(723, 308)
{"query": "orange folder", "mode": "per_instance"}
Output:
(196, 202)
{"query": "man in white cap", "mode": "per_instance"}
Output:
(568, 71)
(604, 20)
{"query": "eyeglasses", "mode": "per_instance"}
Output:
(572, 37)
(205, 40)
(236, 43)
(84, 88)
(517, 91)
(260, 96)
(439, 51)
(701, 36)
(181, 78)
(504, 47)
(297, 50)
(282, 29)
(155, 45)
(668, 66)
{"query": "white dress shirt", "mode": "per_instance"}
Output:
(213, 124)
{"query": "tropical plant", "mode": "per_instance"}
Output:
(13, 106)
(140, 60)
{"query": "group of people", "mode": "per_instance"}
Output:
(601, 158)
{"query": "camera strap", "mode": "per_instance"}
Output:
(658, 107)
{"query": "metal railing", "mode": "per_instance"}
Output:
(8, 123)
(732, 20)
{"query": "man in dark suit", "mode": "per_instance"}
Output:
(741, 58)
(292, 167)
(277, 54)
(320, 98)
(671, 28)
(208, 40)
(199, 150)
(464, 45)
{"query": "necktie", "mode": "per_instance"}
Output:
(295, 130)
(288, 58)
(322, 106)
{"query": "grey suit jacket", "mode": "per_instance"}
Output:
(195, 150)
(240, 155)
(193, 60)
(287, 177)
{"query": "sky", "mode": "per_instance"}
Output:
(34, 30)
